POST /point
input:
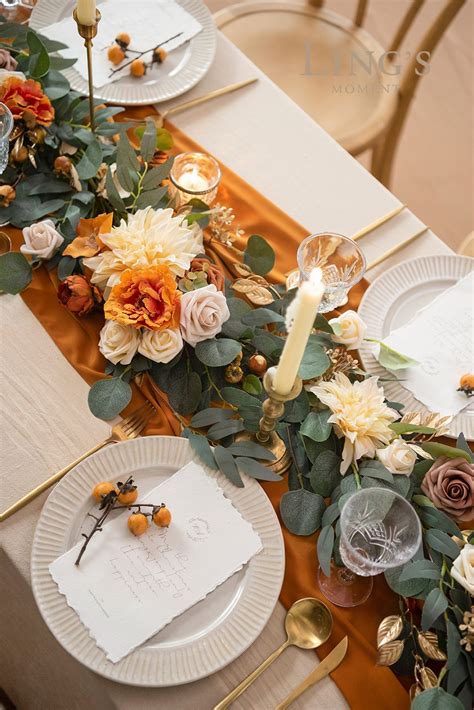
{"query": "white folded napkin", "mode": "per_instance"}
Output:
(128, 588)
(148, 22)
(441, 338)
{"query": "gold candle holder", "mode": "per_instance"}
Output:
(273, 409)
(88, 32)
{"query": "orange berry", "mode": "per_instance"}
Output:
(128, 497)
(137, 68)
(162, 517)
(467, 381)
(137, 523)
(115, 54)
(123, 38)
(160, 55)
(102, 489)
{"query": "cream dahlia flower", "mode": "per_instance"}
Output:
(147, 238)
(358, 413)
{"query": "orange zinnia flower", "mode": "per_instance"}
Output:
(145, 298)
(21, 96)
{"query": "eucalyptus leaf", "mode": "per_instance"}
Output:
(107, 398)
(442, 542)
(435, 449)
(66, 267)
(262, 316)
(255, 470)
(148, 141)
(407, 428)
(435, 605)
(56, 86)
(223, 429)
(155, 176)
(269, 344)
(331, 514)
(209, 416)
(420, 569)
(434, 518)
(296, 410)
(38, 64)
(200, 446)
(408, 588)
(325, 473)
(15, 272)
(436, 699)
(151, 198)
(227, 465)
(252, 384)
(217, 352)
(315, 360)
(90, 162)
(239, 398)
(461, 443)
(259, 255)
(316, 425)
(392, 359)
(302, 511)
(324, 547)
(251, 449)
(186, 390)
(375, 469)
(126, 155)
(321, 323)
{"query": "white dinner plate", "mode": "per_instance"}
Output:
(206, 637)
(184, 66)
(392, 300)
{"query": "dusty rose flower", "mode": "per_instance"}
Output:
(203, 312)
(78, 294)
(41, 239)
(214, 273)
(7, 61)
(449, 484)
(7, 195)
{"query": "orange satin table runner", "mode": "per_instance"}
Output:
(365, 686)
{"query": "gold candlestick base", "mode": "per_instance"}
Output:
(88, 32)
(273, 409)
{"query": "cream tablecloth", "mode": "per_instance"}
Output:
(45, 423)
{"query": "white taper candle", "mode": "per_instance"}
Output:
(85, 12)
(303, 310)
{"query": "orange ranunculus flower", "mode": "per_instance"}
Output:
(146, 298)
(88, 242)
(26, 95)
(78, 294)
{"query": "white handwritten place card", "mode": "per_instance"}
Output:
(148, 22)
(127, 588)
(441, 338)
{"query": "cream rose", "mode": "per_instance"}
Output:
(203, 312)
(161, 345)
(118, 343)
(463, 568)
(41, 239)
(349, 329)
(398, 457)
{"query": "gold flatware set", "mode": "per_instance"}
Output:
(128, 428)
(308, 624)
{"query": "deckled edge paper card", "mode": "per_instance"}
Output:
(128, 588)
(441, 338)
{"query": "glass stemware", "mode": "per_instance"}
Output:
(6, 127)
(341, 261)
(379, 530)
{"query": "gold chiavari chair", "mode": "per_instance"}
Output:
(357, 90)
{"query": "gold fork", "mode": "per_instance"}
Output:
(128, 428)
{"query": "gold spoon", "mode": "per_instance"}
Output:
(308, 624)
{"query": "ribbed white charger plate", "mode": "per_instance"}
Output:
(392, 300)
(206, 637)
(184, 67)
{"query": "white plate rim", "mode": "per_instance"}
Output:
(376, 303)
(203, 47)
(149, 666)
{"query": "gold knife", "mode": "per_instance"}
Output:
(325, 668)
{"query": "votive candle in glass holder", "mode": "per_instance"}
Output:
(194, 176)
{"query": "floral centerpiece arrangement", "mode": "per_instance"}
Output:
(97, 210)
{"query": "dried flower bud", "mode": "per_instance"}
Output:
(7, 195)
(62, 165)
(29, 118)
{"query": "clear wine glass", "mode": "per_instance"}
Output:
(341, 261)
(6, 127)
(379, 530)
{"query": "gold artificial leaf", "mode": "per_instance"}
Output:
(428, 678)
(389, 653)
(242, 269)
(258, 295)
(428, 419)
(428, 641)
(389, 629)
(259, 280)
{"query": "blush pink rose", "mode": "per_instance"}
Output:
(449, 484)
(203, 312)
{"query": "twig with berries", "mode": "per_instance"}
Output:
(122, 496)
(118, 52)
